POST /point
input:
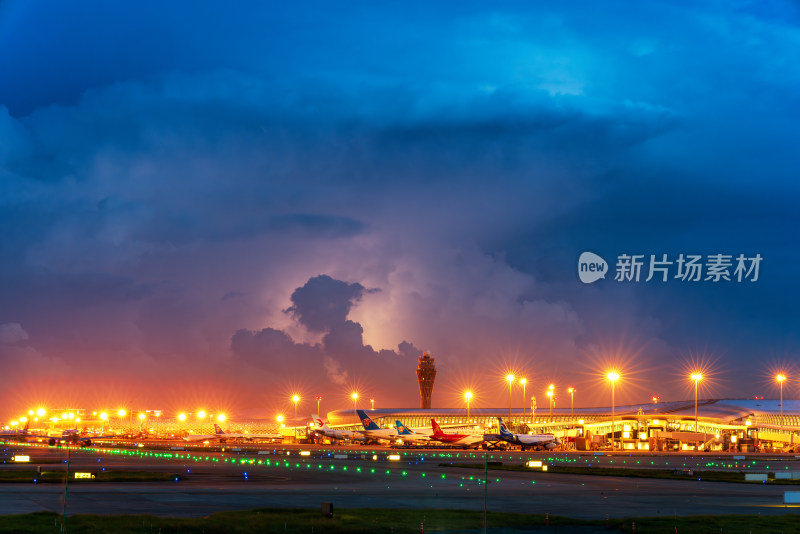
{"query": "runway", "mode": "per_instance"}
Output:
(350, 478)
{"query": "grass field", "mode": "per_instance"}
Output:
(398, 521)
(99, 476)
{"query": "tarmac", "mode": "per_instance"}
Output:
(234, 480)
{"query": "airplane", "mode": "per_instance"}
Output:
(70, 436)
(408, 434)
(464, 440)
(373, 431)
(15, 432)
(222, 436)
(527, 441)
(321, 427)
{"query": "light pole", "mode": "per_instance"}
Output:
(468, 396)
(372, 403)
(697, 377)
(510, 379)
(571, 401)
(523, 381)
(295, 400)
(780, 378)
(550, 395)
(319, 398)
(354, 396)
(613, 376)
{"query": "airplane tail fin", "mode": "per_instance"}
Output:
(368, 423)
(217, 429)
(402, 429)
(437, 430)
(318, 422)
(503, 428)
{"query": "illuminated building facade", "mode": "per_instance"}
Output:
(426, 374)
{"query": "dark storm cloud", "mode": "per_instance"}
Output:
(323, 303)
(174, 176)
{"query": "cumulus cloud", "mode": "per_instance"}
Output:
(324, 302)
(322, 305)
(11, 333)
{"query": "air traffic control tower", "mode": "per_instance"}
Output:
(426, 374)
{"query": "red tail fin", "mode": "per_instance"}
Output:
(436, 428)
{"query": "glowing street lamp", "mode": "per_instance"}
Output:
(468, 397)
(142, 416)
(697, 377)
(372, 403)
(40, 412)
(550, 396)
(295, 400)
(221, 417)
(613, 376)
(510, 379)
(318, 398)
(523, 381)
(571, 392)
(780, 378)
(181, 417)
(121, 413)
(201, 414)
(354, 396)
(280, 420)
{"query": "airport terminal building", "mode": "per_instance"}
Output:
(741, 425)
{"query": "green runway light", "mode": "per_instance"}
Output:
(372, 471)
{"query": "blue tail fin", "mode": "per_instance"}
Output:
(368, 423)
(503, 428)
(402, 429)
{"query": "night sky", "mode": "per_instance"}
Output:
(218, 206)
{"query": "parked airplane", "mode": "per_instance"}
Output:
(528, 441)
(222, 436)
(14, 432)
(71, 436)
(408, 434)
(373, 431)
(321, 427)
(454, 438)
